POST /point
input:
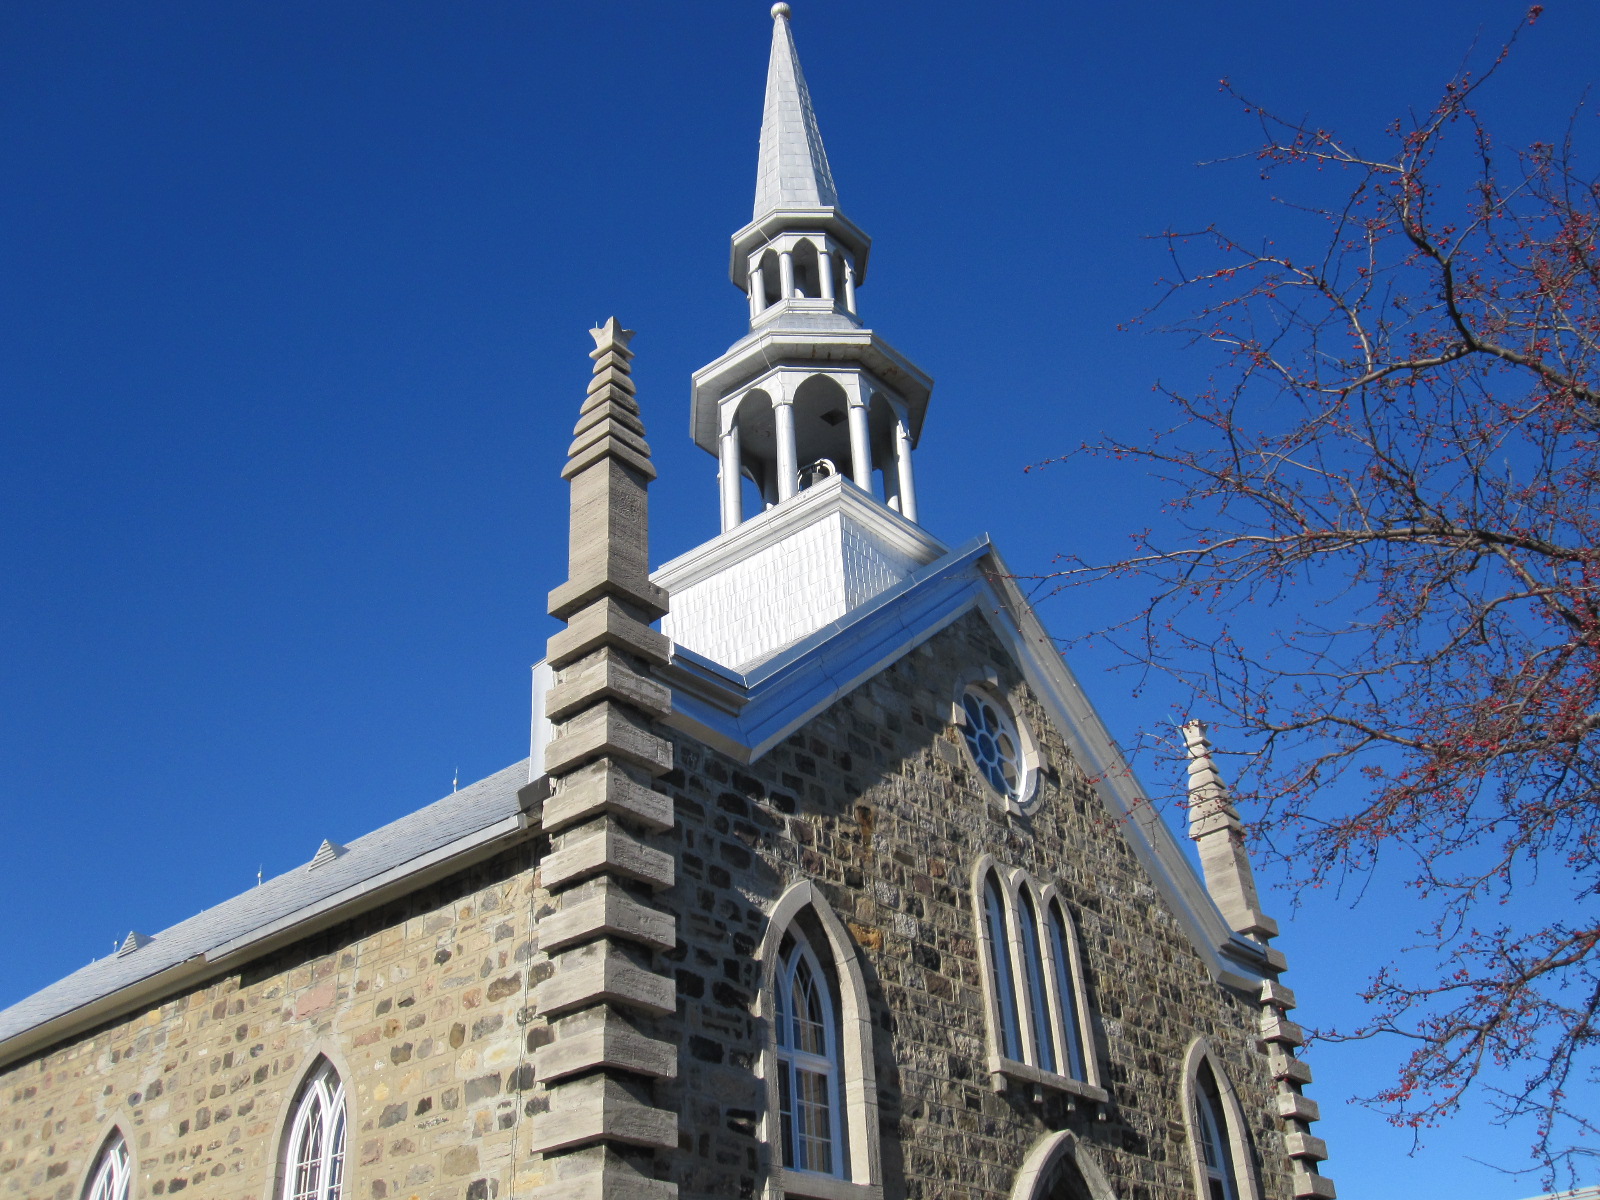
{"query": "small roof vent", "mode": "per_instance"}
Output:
(326, 853)
(132, 942)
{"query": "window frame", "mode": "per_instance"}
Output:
(860, 1175)
(115, 1168)
(792, 1060)
(1006, 971)
(1223, 1107)
(333, 1129)
(984, 684)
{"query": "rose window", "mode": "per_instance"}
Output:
(993, 743)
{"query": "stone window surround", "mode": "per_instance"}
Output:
(859, 1086)
(1034, 1174)
(1244, 1171)
(320, 1055)
(985, 680)
(108, 1140)
(1001, 1068)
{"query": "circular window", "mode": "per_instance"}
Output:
(993, 742)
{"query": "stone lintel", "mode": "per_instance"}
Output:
(604, 787)
(599, 1173)
(606, 731)
(602, 909)
(1292, 1106)
(603, 675)
(1305, 1145)
(600, 1109)
(1275, 1028)
(609, 447)
(605, 848)
(1275, 995)
(1285, 1066)
(601, 1038)
(598, 973)
(606, 623)
(1310, 1186)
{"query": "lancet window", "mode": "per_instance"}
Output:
(1033, 982)
(112, 1175)
(808, 1060)
(314, 1151)
(1222, 1166)
(821, 1126)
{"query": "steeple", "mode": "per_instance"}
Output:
(792, 171)
(809, 393)
(812, 417)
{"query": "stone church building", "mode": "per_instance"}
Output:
(823, 878)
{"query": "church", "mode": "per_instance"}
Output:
(822, 879)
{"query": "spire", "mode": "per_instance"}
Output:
(793, 168)
(1215, 827)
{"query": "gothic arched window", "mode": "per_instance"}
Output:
(1222, 1164)
(314, 1152)
(998, 929)
(807, 1038)
(1044, 1040)
(111, 1178)
(1216, 1149)
(1063, 961)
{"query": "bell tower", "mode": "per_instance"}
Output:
(812, 416)
(809, 393)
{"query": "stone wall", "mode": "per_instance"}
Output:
(877, 802)
(426, 1010)
(420, 1006)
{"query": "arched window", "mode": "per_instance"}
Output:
(1044, 1040)
(314, 1153)
(111, 1178)
(1063, 955)
(1009, 1034)
(1216, 1147)
(821, 1116)
(807, 1038)
(1222, 1165)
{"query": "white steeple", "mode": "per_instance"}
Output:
(793, 169)
(811, 416)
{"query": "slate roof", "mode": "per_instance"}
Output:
(474, 810)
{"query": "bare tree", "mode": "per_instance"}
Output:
(1384, 569)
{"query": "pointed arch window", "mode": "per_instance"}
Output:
(1216, 1150)
(821, 1121)
(1223, 1168)
(1063, 960)
(1033, 984)
(112, 1175)
(1009, 1032)
(314, 1153)
(808, 1060)
(1042, 1024)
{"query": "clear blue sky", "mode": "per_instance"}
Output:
(294, 299)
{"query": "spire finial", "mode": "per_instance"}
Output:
(780, 10)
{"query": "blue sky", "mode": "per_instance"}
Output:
(292, 312)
